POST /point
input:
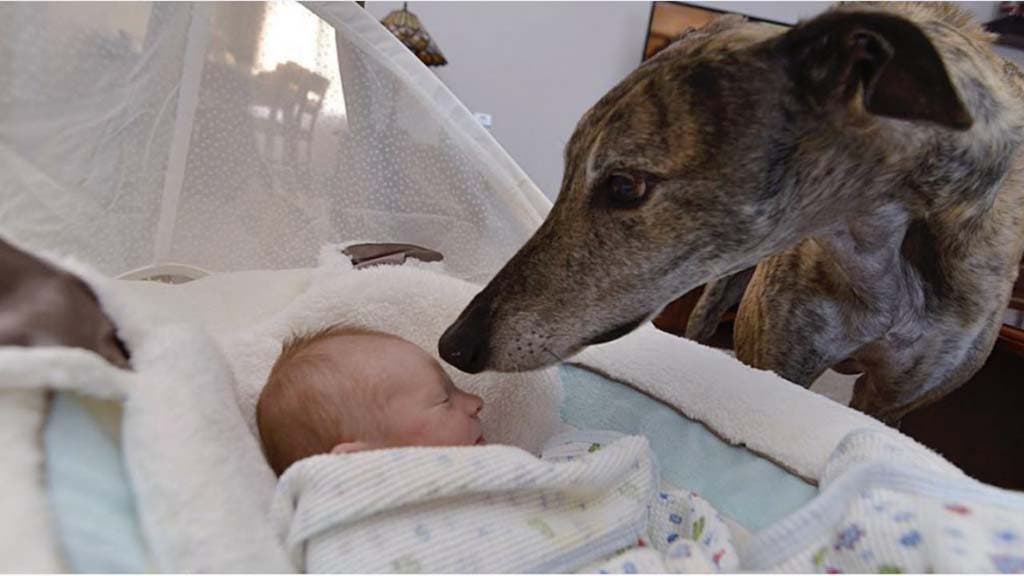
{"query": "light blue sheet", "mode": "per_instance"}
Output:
(749, 489)
(91, 498)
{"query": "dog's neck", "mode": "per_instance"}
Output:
(866, 249)
(923, 226)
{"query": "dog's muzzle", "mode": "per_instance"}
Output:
(617, 332)
(466, 343)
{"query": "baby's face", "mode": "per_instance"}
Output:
(425, 408)
(412, 401)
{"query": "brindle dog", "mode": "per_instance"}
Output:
(866, 162)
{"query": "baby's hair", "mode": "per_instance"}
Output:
(299, 411)
(299, 341)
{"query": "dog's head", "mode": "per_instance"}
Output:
(705, 159)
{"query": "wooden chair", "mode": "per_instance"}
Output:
(288, 102)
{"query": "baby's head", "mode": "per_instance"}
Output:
(345, 390)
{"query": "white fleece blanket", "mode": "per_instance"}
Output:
(417, 302)
(202, 486)
(471, 509)
(26, 543)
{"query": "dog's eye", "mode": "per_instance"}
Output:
(626, 190)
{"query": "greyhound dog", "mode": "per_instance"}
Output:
(866, 161)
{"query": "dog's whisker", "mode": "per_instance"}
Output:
(552, 354)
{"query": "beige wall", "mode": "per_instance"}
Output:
(537, 66)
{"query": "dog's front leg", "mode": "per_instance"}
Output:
(718, 296)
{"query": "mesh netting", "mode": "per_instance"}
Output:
(240, 136)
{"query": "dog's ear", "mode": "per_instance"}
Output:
(885, 59)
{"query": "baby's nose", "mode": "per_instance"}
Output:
(475, 404)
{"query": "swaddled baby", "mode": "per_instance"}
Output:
(344, 418)
(346, 390)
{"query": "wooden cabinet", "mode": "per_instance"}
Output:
(979, 426)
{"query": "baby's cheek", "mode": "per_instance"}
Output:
(409, 426)
(441, 428)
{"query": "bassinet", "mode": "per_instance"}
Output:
(180, 140)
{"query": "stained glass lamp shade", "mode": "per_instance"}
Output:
(406, 26)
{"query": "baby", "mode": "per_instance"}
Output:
(351, 391)
(343, 390)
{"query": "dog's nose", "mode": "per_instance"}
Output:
(465, 344)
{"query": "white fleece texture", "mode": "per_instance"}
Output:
(417, 302)
(745, 406)
(202, 487)
(26, 541)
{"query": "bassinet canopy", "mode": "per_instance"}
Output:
(240, 136)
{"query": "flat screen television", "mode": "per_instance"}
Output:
(669, 19)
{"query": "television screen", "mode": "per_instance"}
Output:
(670, 19)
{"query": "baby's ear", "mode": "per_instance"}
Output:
(351, 447)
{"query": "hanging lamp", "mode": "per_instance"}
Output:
(406, 27)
